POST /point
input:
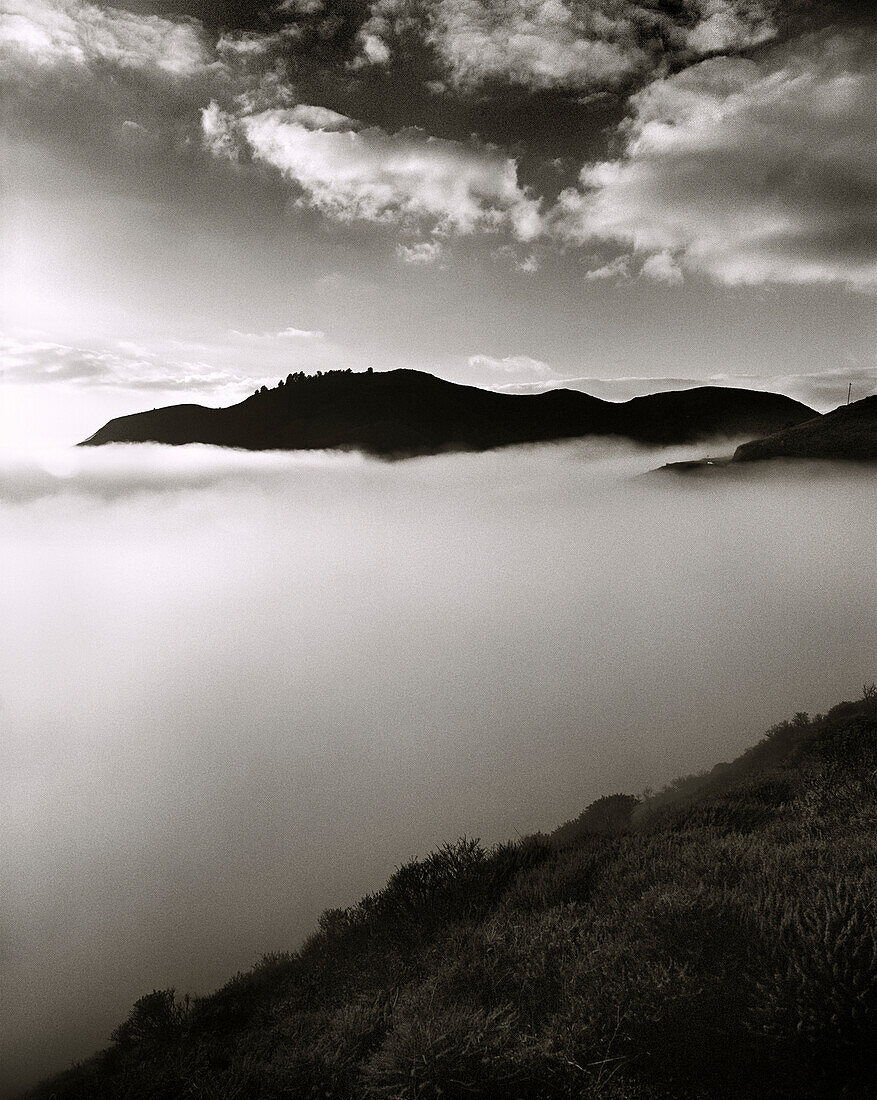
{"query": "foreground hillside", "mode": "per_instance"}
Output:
(718, 939)
(406, 412)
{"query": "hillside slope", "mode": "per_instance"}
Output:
(406, 412)
(848, 432)
(717, 940)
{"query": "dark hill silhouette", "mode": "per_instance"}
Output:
(849, 432)
(406, 412)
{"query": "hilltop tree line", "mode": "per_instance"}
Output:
(301, 376)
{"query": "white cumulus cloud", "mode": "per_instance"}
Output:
(748, 172)
(662, 268)
(423, 252)
(353, 172)
(619, 268)
(539, 44)
(56, 32)
(582, 45)
(124, 365)
(725, 25)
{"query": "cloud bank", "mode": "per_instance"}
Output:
(126, 366)
(239, 689)
(523, 365)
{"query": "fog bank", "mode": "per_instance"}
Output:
(237, 689)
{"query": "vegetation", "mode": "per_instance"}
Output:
(301, 376)
(718, 939)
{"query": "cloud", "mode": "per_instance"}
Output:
(746, 171)
(512, 364)
(300, 7)
(424, 252)
(300, 334)
(375, 50)
(544, 44)
(125, 366)
(619, 268)
(73, 32)
(385, 19)
(252, 45)
(289, 333)
(571, 617)
(540, 45)
(348, 171)
(729, 26)
(662, 268)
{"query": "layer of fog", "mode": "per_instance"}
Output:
(237, 689)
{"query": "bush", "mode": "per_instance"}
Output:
(444, 1052)
(821, 993)
(156, 1017)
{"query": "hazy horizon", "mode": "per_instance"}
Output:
(244, 688)
(37, 430)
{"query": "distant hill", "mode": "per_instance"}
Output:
(406, 412)
(849, 432)
(716, 940)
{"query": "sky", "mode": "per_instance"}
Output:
(198, 198)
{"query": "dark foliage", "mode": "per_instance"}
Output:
(155, 1018)
(608, 816)
(717, 940)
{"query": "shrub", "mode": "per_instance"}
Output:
(156, 1017)
(441, 1051)
(821, 992)
(608, 816)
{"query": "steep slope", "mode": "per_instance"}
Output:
(716, 944)
(849, 432)
(405, 412)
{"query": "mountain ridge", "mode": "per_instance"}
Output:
(402, 413)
